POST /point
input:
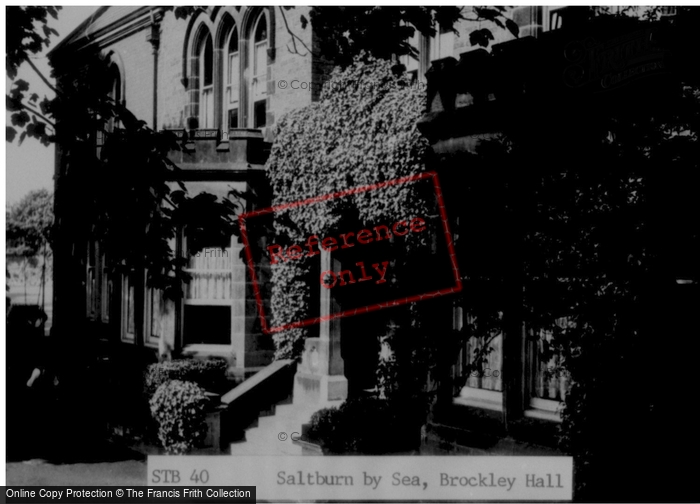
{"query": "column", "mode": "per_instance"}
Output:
(320, 375)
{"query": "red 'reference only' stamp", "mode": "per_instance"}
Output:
(362, 278)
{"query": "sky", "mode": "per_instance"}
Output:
(30, 166)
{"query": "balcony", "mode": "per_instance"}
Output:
(211, 150)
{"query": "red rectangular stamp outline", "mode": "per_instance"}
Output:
(457, 287)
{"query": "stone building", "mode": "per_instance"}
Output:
(220, 79)
(211, 78)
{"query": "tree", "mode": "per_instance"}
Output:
(28, 233)
(28, 33)
(384, 31)
(588, 229)
(117, 194)
(29, 223)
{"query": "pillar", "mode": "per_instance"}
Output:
(321, 375)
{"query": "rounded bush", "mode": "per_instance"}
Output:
(366, 425)
(179, 408)
(209, 374)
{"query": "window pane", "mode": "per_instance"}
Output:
(208, 62)
(206, 88)
(233, 41)
(130, 307)
(90, 291)
(206, 106)
(116, 91)
(233, 118)
(260, 59)
(233, 74)
(155, 313)
(91, 279)
(258, 81)
(233, 77)
(549, 380)
(483, 367)
(211, 274)
(260, 114)
(261, 29)
(106, 294)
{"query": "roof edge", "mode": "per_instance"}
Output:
(75, 37)
(72, 36)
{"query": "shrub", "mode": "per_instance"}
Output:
(208, 374)
(366, 425)
(327, 429)
(179, 408)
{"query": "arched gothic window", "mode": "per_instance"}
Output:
(114, 92)
(226, 70)
(258, 72)
(206, 83)
(232, 77)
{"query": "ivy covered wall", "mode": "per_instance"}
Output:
(361, 132)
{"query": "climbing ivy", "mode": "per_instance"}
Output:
(361, 132)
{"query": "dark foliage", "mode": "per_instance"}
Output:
(209, 374)
(384, 31)
(118, 185)
(367, 425)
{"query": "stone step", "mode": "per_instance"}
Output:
(283, 422)
(248, 449)
(264, 439)
(265, 443)
(255, 449)
(271, 433)
(303, 410)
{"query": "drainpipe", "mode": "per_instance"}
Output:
(154, 39)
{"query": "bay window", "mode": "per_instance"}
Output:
(478, 373)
